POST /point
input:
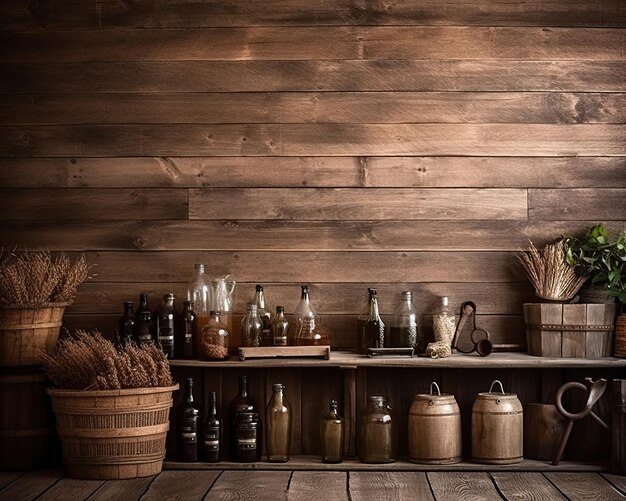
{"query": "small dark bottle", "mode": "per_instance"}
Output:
(247, 438)
(126, 324)
(212, 433)
(188, 425)
(142, 306)
(185, 334)
(165, 321)
(241, 403)
(144, 330)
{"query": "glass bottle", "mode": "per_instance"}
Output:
(241, 403)
(251, 327)
(264, 314)
(186, 333)
(141, 309)
(370, 327)
(444, 322)
(165, 320)
(278, 426)
(404, 331)
(212, 433)
(144, 330)
(126, 324)
(247, 443)
(224, 300)
(280, 328)
(331, 435)
(199, 293)
(213, 339)
(307, 331)
(377, 437)
(188, 425)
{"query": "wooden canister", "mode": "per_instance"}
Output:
(434, 429)
(497, 428)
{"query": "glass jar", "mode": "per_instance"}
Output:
(377, 439)
(278, 426)
(370, 327)
(251, 327)
(404, 331)
(444, 322)
(213, 339)
(331, 435)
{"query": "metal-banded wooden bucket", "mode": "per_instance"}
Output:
(27, 438)
(111, 434)
(25, 332)
(497, 428)
(434, 428)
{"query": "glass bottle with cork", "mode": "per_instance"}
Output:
(188, 425)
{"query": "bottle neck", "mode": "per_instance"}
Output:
(189, 392)
(243, 387)
(128, 309)
(212, 404)
(143, 301)
(374, 313)
(280, 313)
(259, 298)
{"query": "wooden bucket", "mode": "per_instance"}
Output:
(543, 429)
(620, 336)
(27, 438)
(497, 428)
(24, 332)
(111, 434)
(434, 429)
(569, 330)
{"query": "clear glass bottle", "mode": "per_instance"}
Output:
(444, 322)
(378, 442)
(144, 330)
(165, 319)
(199, 292)
(331, 435)
(248, 438)
(188, 425)
(212, 433)
(264, 314)
(213, 339)
(404, 331)
(126, 324)
(370, 326)
(186, 333)
(251, 327)
(280, 328)
(241, 403)
(308, 331)
(224, 301)
(278, 426)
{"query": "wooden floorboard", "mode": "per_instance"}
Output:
(618, 481)
(250, 485)
(31, 485)
(129, 489)
(584, 486)
(71, 489)
(6, 477)
(468, 486)
(516, 485)
(318, 485)
(180, 485)
(384, 486)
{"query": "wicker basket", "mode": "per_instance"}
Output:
(620, 336)
(112, 434)
(25, 331)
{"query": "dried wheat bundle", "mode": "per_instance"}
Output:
(549, 273)
(87, 361)
(37, 278)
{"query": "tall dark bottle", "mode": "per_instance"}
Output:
(212, 433)
(144, 330)
(185, 334)
(126, 324)
(264, 313)
(188, 425)
(370, 327)
(165, 321)
(241, 403)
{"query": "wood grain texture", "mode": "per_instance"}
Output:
(314, 139)
(618, 481)
(514, 485)
(389, 486)
(463, 485)
(314, 486)
(243, 485)
(68, 488)
(577, 204)
(274, 76)
(584, 486)
(116, 489)
(168, 485)
(6, 477)
(31, 484)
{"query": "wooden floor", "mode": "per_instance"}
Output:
(318, 486)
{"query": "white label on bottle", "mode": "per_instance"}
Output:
(188, 437)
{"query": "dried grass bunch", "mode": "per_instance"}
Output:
(38, 278)
(87, 361)
(549, 273)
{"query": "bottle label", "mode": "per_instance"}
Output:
(246, 443)
(189, 437)
(211, 438)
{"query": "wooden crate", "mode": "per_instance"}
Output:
(570, 330)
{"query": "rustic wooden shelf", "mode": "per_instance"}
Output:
(344, 359)
(314, 463)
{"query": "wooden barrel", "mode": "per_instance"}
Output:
(497, 428)
(620, 336)
(24, 332)
(434, 429)
(27, 438)
(112, 434)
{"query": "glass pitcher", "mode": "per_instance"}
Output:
(224, 302)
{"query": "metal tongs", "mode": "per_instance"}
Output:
(478, 338)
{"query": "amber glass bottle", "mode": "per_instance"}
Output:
(370, 327)
(331, 435)
(377, 438)
(280, 328)
(278, 426)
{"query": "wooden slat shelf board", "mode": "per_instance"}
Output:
(345, 359)
(284, 352)
(314, 463)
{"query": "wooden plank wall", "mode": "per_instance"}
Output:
(414, 144)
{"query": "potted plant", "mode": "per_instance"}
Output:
(111, 406)
(35, 288)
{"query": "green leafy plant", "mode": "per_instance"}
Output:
(601, 258)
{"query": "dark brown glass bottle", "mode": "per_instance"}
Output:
(247, 438)
(143, 308)
(370, 327)
(144, 330)
(185, 333)
(278, 426)
(280, 328)
(264, 314)
(331, 435)
(241, 403)
(212, 433)
(165, 321)
(126, 324)
(188, 425)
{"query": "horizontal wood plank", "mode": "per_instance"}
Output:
(345, 204)
(389, 486)
(515, 485)
(271, 76)
(238, 485)
(132, 488)
(318, 107)
(31, 484)
(315, 486)
(69, 488)
(170, 484)
(577, 204)
(584, 486)
(314, 43)
(80, 14)
(463, 485)
(329, 172)
(314, 139)
(88, 204)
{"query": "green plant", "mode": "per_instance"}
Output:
(601, 258)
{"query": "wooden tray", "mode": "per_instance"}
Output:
(284, 351)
